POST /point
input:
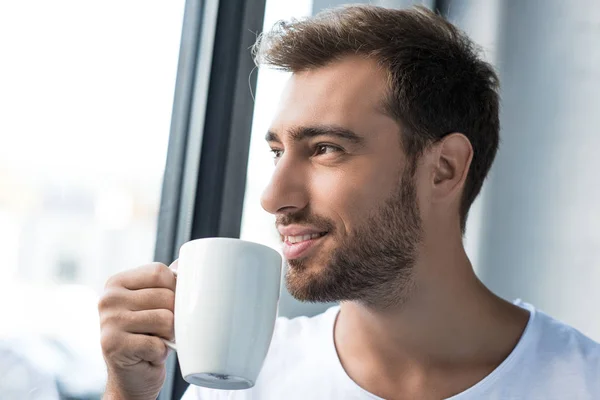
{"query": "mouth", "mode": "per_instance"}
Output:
(295, 247)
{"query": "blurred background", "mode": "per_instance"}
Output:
(86, 103)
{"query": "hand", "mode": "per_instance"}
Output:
(136, 310)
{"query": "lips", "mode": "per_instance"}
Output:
(301, 238)
(302, 248)
(300, 241)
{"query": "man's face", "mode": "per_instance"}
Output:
(343, 191)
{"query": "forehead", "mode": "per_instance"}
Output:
(347, 93)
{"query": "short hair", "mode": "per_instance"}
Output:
(438, 84)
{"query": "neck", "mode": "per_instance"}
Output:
(450, 324)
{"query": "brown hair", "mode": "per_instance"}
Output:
(437, 82)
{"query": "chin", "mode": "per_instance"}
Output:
(309, 281)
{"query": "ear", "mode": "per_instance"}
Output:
(452, 161)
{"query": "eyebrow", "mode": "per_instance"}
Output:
(306, 132)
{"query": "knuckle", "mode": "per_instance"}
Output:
(125, 320)
(105, 319)
(112, 281)
(150, 348)
(116, 320)
(103, 303)
(156, 271)
(107, 300)
(109, 341)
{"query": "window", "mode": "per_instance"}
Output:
(86, 99)
(257, 225)
(86, 96)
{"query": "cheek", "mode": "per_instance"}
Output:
(348, 195)
(330, 190)
(423, 192)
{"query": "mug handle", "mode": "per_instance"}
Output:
(171, 344)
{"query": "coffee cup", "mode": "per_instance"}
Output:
(226, 301)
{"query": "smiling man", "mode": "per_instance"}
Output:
(343, 178)
(385, 133)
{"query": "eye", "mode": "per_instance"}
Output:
(326, 149)
(277, 153)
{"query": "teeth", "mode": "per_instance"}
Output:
(301, 238)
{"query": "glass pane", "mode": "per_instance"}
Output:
(86, 96)
(257, 225)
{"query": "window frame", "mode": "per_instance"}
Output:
(205, 174)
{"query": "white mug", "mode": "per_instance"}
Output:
(226, 303)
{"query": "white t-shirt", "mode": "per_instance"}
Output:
(552, 361)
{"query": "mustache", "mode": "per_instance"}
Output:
(305, 217)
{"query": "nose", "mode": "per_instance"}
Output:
(287, 191)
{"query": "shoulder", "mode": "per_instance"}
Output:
(562, 355)
(566, 342)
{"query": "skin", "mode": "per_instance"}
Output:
(431, 335)
(136, 310)
(431, 330)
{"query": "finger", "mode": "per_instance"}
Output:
(151, 322)
(126, 349)
(147, 348)
(137, 300)
(155, 275)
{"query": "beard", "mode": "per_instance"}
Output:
(373, 265)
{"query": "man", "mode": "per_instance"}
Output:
(385, 133)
